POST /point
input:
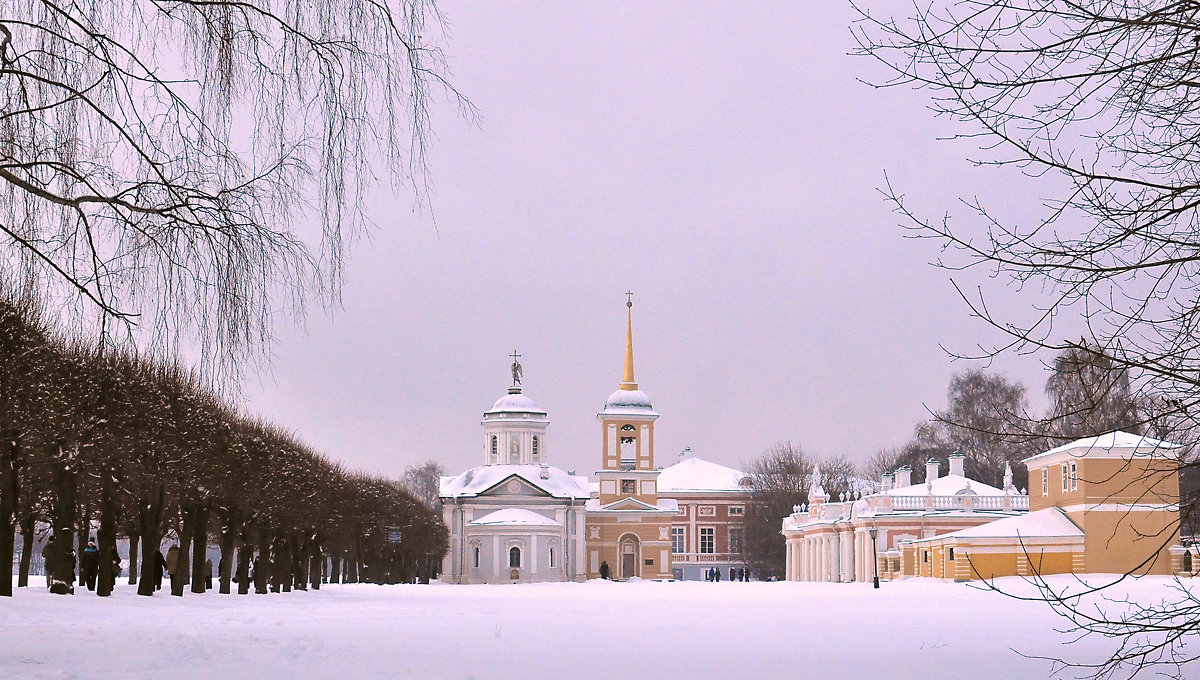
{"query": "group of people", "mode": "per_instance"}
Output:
(60, 561)
(735, 574)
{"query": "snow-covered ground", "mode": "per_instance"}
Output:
(911, 629)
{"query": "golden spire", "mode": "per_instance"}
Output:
(627, 383)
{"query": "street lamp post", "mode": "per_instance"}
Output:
(874, 555)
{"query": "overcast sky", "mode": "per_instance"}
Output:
(722, 162)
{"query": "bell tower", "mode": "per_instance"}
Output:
(628, 527)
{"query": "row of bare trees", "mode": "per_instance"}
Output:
(988, 418)
(145, 452)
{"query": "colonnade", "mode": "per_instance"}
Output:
(840, 556)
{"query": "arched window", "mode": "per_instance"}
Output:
(495, 446)
(553, 565)
(1187, 561)
(476, 557)
(535, 446)
(514, 557)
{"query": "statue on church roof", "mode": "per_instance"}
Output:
(516, 368)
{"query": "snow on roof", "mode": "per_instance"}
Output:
(664, 505)
(948, 485)
(695, 474)
(1111, 440)
(514, 517)
(515, 402)
(633, 402)
(1047, 523)
(477, 480)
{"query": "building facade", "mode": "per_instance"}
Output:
(515, 518)
(1105, 504)
(707, 532)
(833, 541)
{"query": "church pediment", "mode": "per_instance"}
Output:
(629, 504)
(513, 485)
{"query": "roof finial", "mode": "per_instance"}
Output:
(627, 382)
(517, 373)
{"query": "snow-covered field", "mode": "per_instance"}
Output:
(911, 629)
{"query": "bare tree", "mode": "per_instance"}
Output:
(987, 419)
(780, 481)
(1089, 395)
(423, 482)
(1099, 99)
(160, 160)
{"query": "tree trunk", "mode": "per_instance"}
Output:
(230, 530)
(315, 565)
(151, 518)
(183, 558)
(301, 562)
(244, 552)
(262, 568)
(107, 535)
(10, 485)
(133, 558)
(64, 524)
(335, 568)
(200, 550)
(284, 563)
(82, 536)
(27, 529)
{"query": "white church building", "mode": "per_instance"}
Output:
(515, 518)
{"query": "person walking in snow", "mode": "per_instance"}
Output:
(49, 560)
(160, 566)
(90, 564)
(605, 572)
(208, 574)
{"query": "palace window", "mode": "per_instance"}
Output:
(495, 446)
(952, 554)
(924, 555)
(552, 564)
(1074, 476)
(476, 557)
(735, 540)
(1064, 476)
(736, 511)
(708, 540)
(514, 558)
(628, 486)
(677, 546)
(535, 446)
(1046, 482)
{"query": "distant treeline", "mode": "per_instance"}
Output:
(143, 450)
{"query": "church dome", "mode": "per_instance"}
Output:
(628, 400)
(515, 402)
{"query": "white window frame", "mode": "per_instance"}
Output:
(1045, 481)
(737, 511)
(678, 540)
(712, 540)
(1065, 478)
(1074, 476)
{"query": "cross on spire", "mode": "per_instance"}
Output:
(629, 298)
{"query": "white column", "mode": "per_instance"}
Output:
(496, 555)
(533, 548)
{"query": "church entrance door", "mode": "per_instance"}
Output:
(629, 550)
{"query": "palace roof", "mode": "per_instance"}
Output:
(694, 475)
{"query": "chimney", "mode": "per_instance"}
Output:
(888, 482)
(545, 471)
(932, 468)
(956, 464)
(903, 477)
